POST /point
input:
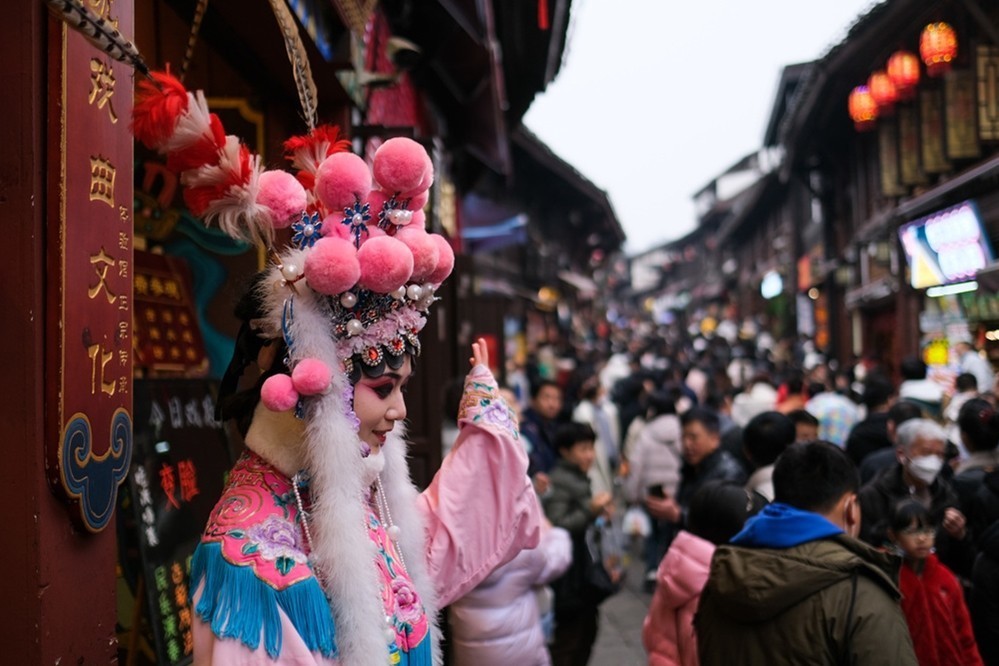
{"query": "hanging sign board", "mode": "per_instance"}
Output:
(89, 274)
(177, 474)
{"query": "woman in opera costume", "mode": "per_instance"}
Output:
(321, 550)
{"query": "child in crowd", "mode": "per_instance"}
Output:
(655, 470)
(570, 505)
(717, 513)
(932, 598)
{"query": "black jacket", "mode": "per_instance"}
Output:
(984, 605)
(879, 497)
(720, 465)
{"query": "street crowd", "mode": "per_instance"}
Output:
(790, 510)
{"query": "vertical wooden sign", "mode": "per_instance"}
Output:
(89, 282)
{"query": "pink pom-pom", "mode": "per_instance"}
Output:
(311, 376)
(334, 227)
(283, 196)
(445, 260)
(386, 264)
(376, 200)
(419, 220)
(331, 267)
(342, 179)
(418, 201)
(372, 232)
(400, 165)
(425, 251)
(278, 393)
(425, 183)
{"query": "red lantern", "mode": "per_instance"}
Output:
(883, 91)
(863, 108)
(903, 68)
(938, 47)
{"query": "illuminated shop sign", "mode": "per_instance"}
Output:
(947, 246)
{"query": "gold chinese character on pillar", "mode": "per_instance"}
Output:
(101, 180)
(102, 87)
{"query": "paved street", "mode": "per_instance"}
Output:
(619, 641)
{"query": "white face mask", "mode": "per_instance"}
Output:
(925, 468)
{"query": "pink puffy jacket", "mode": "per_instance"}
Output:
(668, 631)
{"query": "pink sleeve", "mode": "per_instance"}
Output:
(480, 509)
(210, 650)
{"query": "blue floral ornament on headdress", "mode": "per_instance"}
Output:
(356, 218)
(306, 231)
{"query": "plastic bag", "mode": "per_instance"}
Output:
(636, 522)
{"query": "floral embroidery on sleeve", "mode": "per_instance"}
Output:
(481, 403)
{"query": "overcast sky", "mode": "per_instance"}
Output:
(658, 97)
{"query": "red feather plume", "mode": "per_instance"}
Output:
(201, 153)
(158, 105)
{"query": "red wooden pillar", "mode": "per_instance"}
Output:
(58, 556)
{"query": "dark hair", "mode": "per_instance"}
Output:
(878, 390)
(659, 403)
(719, 509)
(966, 382)
(803, 416)
(815, 388)
(542, 383)
(979, 421)
(813, 476)
(569, 434)
(766, 436)
(912, 367)
(589, 389)
(706, 417)
(907, 512)
(904, 410)
(795, 382)
(232, 403)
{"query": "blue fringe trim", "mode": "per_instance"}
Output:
(421, 655)
(237, 604)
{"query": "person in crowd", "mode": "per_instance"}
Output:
(572, 506)
(919, 449)
(978, 421)
(704, 460)
(871, 434)
(984, 605)
(791, 395)
(499, 622)
(836, 413)
(795, 586)
(630, 394)
(876, 461)
(601, 414)
(965, 388)
(655, 471)
(970, 361)
(757, 397)
(538, 426)
(978, 424)
(918, 388)
(764, 438)
(717, 512)
(806, 426)
(932, 598)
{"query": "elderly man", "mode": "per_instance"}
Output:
(919, 451)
